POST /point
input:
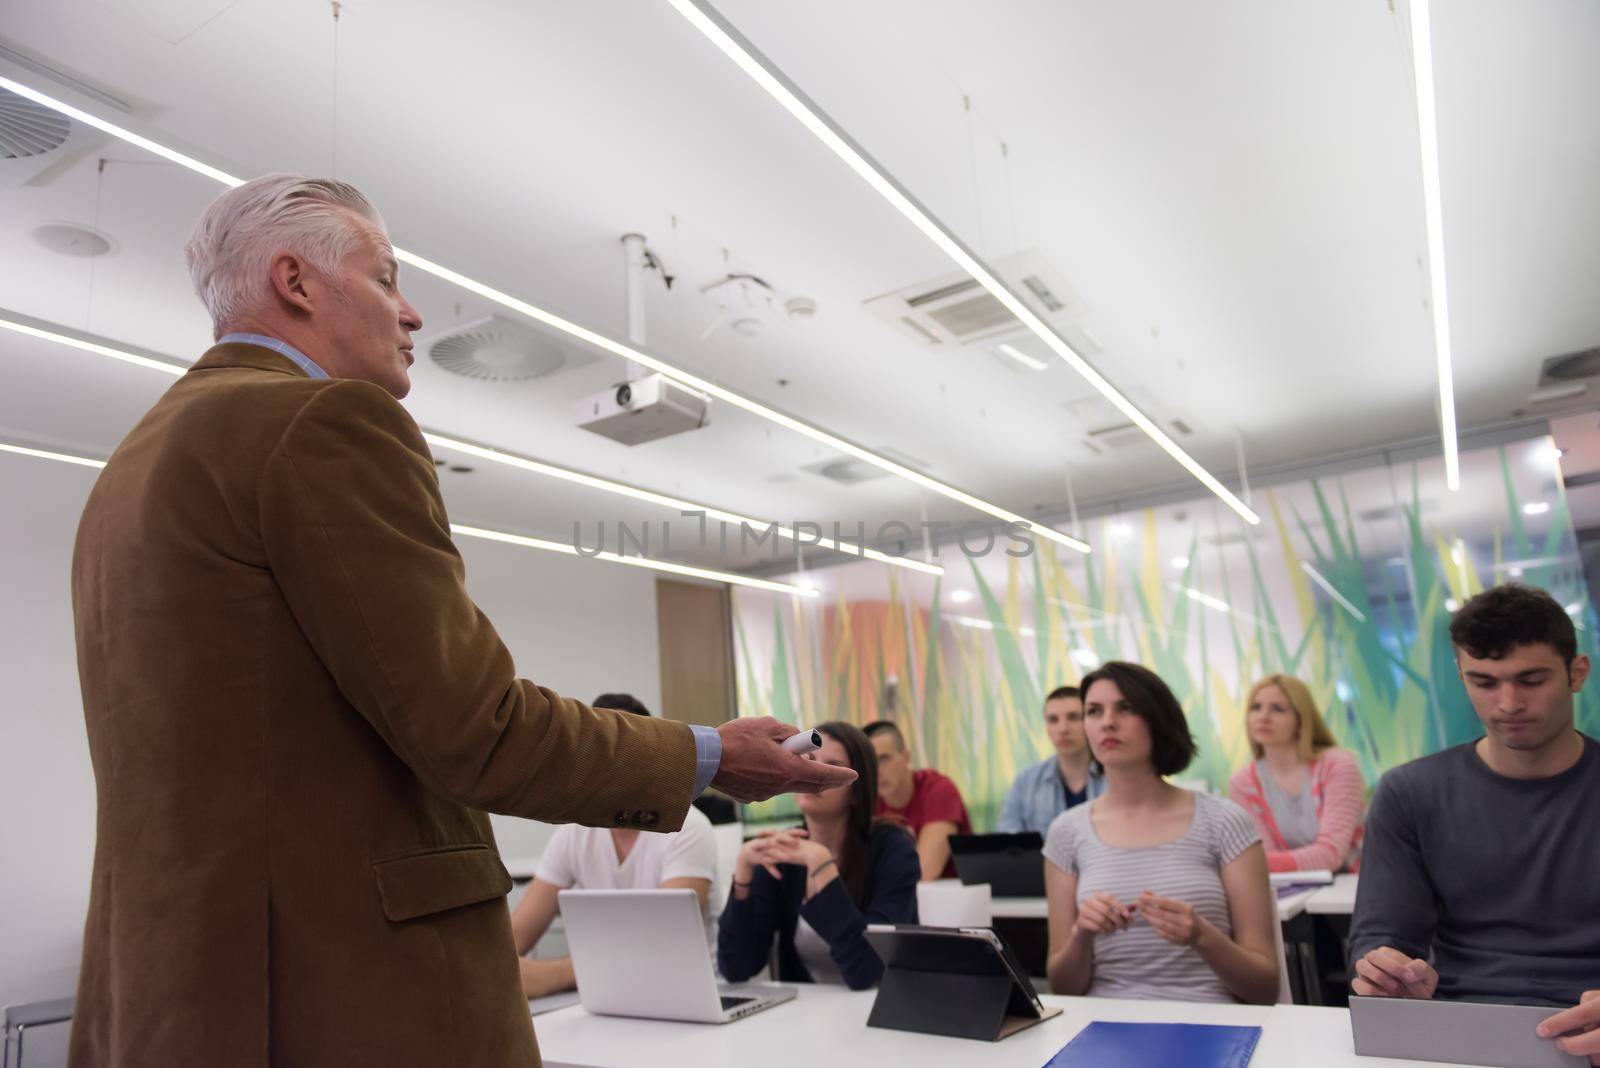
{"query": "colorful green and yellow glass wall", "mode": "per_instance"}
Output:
(1349, 583)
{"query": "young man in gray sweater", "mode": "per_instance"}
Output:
(1479, 874)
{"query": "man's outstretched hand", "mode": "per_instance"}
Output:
(755, 765)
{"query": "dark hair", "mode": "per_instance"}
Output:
(859, 820)
(622, 702)
(1171, 745)
(1499, 619)
(885, 726)
(1063, 691)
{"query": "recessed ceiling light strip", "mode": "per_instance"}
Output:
(632, 561)
(503, 536)
(1433, 214)
(721, 33)
(46, 454)
(500, 456)
(43, 331)
(592, 337)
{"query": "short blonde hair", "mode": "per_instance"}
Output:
(238, 233)
(1313, 736)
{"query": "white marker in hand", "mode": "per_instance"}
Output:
(804, 742)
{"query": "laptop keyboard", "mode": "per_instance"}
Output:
(734, 1003)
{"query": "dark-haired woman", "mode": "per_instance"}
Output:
(1155, 891)
(819, 886)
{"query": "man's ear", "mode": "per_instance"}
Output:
(288, 273)
(1578, 672)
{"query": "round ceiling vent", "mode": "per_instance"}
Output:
(29, 129)
(73, 239)
(498, 350)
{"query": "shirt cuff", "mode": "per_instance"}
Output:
(707, 756)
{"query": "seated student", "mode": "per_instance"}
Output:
(1060, 781)
(1155, 892)
(1304, 792)
(1478, 879)
(817, 888)
(924, 800)
(600, 858)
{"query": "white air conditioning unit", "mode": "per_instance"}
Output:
(955, 310)
(644, 410)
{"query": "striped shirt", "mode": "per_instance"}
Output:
(1138, 962)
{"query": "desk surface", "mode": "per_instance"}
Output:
(827, 1025)
(1038, 908)
(1336, 900)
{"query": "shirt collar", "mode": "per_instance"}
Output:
(283, 348)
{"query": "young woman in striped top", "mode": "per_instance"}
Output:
(1304, 792)
(1155, 892)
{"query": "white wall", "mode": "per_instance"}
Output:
(581, 627)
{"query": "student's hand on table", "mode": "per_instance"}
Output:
(1389, 973)
(755, 766)
(1581, 1025)
(1102, 913)
(1175, 921)
(541, 977)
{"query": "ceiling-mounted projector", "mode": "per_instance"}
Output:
(643, 410)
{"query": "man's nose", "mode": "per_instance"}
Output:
(409, 317)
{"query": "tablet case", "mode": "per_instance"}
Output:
(953, 983)
(1465, 1032)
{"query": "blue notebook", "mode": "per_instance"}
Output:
(1147, 1045)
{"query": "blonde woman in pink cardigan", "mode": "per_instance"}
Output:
(1305, 794)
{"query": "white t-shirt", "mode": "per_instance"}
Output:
(584, 858)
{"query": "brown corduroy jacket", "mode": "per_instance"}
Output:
(296, 715)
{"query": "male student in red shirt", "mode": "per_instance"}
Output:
(928, 802)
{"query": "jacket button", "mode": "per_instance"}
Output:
(620, 819)
(649, 819)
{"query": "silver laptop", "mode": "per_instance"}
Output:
(1462, 1032)
(644, 953)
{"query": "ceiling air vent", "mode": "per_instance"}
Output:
(37, 143)
(29, 129)
(955, 310)
(493, 349)
(849, 471)
(1571, 367)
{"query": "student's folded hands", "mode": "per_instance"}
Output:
(1581, 1026)
(1388, 973)
(1175, 921)
(1102, 913)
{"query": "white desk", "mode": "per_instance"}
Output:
(1038, 908)
(1336, 900)
(827, 1025)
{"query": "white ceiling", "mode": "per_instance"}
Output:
(1232, 189)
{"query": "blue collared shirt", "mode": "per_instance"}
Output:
(707, 742)
(282, 348)
(1038, 796)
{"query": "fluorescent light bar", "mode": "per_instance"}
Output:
(598, 340)
(1433, 211)
(509, 459)
(721, 33)
(90, 346)
(513, 539)
(46, 454)
(652, 497)
(634, 561)
(1007, 349)
(1327, 587)
(628, 352)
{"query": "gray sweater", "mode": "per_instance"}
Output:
(1496, 879)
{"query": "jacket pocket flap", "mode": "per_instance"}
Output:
(440, 879)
